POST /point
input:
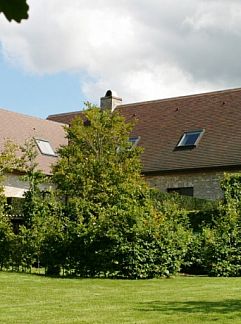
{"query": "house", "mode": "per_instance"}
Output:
(189, 141)
(48, 135)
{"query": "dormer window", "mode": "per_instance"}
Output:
(45, 147)
(190, 139)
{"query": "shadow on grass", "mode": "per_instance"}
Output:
(231, 307)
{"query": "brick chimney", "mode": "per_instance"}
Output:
(110, 100)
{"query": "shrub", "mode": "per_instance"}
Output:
(222, 248)
(6, 241)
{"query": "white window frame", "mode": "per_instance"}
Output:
(135, 140)
(45, 147)
(181, 142)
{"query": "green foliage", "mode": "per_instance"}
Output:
(221, 251)
(200, 219)
(115, 230)
(185, 202)
(98, 166)
(51, 227)
(38, 237)
(42, 241)
(15, 209)
(33, 198)
(24, 249)
(102, 220)
(6, 241)
(14, 9)
(130, 243)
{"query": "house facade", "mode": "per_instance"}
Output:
(189, 142)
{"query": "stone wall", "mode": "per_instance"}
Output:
(205, 185)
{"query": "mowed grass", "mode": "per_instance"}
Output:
(35, 299)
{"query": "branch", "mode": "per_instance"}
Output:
(14, 9)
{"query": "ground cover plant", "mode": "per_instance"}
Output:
(36, 299)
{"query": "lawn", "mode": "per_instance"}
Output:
(28, 298)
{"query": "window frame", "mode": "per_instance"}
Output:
(41, 150)
(134, 143)
(181, 141)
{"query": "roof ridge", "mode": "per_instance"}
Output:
(28, 116)
(180, 97)
(66, 113)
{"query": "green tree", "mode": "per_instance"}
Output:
(8, 162)
(14, 9)
(34, 177)
(99, 167)
(114, 227)
(41, 237)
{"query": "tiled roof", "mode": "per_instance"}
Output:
(64, 118)
(18, 127)
(161, 123)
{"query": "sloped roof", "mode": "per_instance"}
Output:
(18, 127)
(65, 118)
(161, 123)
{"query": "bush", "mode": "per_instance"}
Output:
(128, 241)
(185, 202)
(222, 243)
(6, 241)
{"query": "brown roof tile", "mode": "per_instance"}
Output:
(161, 123)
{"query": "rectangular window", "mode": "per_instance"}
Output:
(190, 139)
(134, 140)
(45, 147)
(183, 191)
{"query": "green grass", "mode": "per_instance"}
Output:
(35, 299)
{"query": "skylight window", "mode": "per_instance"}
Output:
(190, 139)
(45, 147)
(133, 141)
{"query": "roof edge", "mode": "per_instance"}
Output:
(209, 93)
(30, 116)
(146, 102)
(231, 167)
(66, 113)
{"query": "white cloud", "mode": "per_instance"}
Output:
(143, 50)
(214, 16)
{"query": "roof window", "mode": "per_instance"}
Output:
(45, 147)
(190, 139)
(133, 141)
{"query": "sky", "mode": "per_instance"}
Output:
(69, 52)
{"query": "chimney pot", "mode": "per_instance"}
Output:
(110, 100)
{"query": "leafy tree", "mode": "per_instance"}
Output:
(8, 162)
(34, 177)
(114, 228)
(14, 9)
(99, 167)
